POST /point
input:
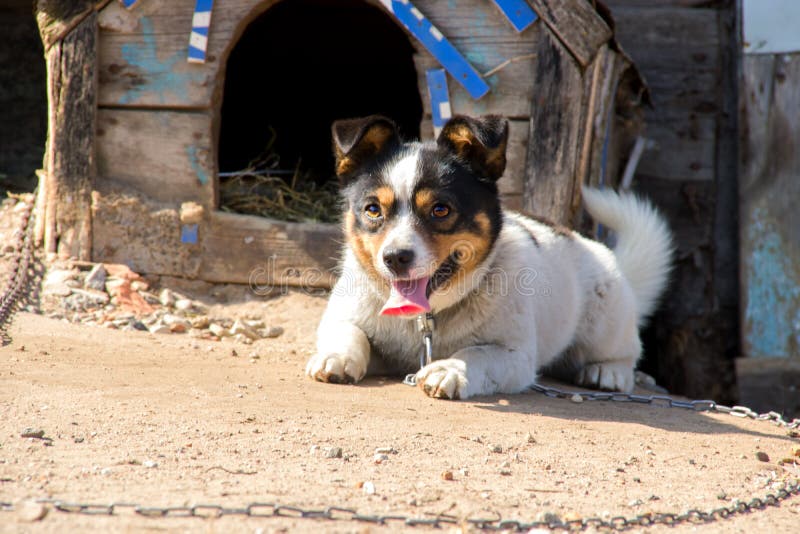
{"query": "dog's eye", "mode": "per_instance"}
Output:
(373, 211)
(440, 211)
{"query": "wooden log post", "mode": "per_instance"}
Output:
(70, 38)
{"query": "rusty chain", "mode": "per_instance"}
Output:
(21, 263)
(791, 488)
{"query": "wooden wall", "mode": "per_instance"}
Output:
(686, 50)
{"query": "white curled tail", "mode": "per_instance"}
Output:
(644, 242)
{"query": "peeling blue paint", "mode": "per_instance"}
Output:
(160, 77)
(194, 160)
(772, 312)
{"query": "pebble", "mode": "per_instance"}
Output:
(333, 452)
(385, 450)
(96, 279)
(380, 458)
(167, 297)
(495, 448)
(37, 433)
(576, 398)
(30, 511)
(762, 456)
(201, 322)
(548, 517)
(635, 503)
(159, 328)
(218, 330)
(171, 319)
(150, 464)
(369, 488)
(272, 331)
(505, 472)
(530, 438)
(447, 475)
(240, 328)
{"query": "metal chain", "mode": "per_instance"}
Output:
(696, 516)
(20, 265)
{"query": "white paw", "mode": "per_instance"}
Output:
(611, 376)
(444, 379)
(336, 368)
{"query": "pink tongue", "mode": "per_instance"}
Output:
(407, 298)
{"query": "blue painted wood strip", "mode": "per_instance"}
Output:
(189, 234)
(440, 98)
(128, 3)
(518, 12)
(201, 21)
(436, 43)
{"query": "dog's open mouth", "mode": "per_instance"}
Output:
(408, 297)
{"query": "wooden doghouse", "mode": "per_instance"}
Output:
(132, 163)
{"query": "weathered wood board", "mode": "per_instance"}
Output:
(264, 252)
(769, 384)
(677, 49)
(556, 132)
(69, 157)
(769, 221)
(577, 24)
(166, 155)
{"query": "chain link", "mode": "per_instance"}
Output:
(336, 513)
(21, 262)
(619, 523)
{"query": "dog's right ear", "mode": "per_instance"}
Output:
(356, 141)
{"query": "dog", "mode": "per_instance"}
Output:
(509, 294)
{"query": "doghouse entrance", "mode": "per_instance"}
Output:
(298, 67)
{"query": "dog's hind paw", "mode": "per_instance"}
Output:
(444, 379)
(335, 368)
(610, 376)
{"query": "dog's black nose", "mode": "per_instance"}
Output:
(398, 260)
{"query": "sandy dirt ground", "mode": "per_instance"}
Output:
(166, 420)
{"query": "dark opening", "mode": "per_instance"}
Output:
(300, 66)
(23, 97)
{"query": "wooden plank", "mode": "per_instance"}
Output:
(576, 23)
(683, 151)
(69, 158)
(512, 89)
(166, 155)
(769, 384)
(769, 188)
(143, 52)
(556, 132)
(261, 252)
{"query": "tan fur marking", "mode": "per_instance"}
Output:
(461, 137)
(385, 197)
(365, 246)
(424, 200)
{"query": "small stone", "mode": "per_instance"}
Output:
(184, 305)
(505, 472)
(241, 338)
(380, 458)
(385, 450)
(105, 471)
(635, 503)
(447, 475)
(79, 439)
(529, 438)
(762, 456)
(177, 328)
(218, 330)
(576, 398)
(171, 319)
(654, 498)
(140, 285)
(255, 324)
(463, 472)
(333, 452)
(796, 450)
(96, 279)
(497, 449)
(159, 328)
(150, 464)
(369, 488)
(722, 496)
(201, 322)
(37, 433)
(270, 332)
(30, 511)
(548, 517)
(167, 298)
(239, 328)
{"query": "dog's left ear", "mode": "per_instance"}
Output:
(481, 143)
(355, 141)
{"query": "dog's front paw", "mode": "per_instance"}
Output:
(336, 368)
(611, 376)
(444, 379)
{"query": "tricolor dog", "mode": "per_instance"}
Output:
(510, 295)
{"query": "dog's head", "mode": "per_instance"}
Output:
(421, 217)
